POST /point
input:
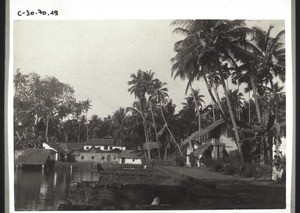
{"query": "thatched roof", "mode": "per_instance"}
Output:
(198, 134)
(33, 157)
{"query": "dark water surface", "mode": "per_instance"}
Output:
(35, 190)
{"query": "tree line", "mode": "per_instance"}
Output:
(243, 70)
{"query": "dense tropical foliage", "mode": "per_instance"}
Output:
(242, 68)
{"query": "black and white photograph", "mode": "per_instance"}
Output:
(149, 114)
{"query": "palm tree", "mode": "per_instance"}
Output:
(119, 120)
(186, 66)
(80, 108)
(136, 130)
(172, 124)
(160, 94)
(207, 49)
(198, 105)
(150, 84)
(139, 89)
(237, 100)
(94, 126)
(270, 53)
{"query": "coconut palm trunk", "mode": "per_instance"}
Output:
(232, 120)
(249, 108)
(47, 128)
(198, 110)
(145, 131)
(238, 102)
(217, 102)
(78, 138)
(255, 98)
(166, 125)
(155, 130)
(213, 112)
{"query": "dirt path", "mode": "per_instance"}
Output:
(226, 191)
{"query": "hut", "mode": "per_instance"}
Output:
(214, 138)
(34, 158)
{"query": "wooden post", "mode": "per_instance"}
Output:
(43, 168)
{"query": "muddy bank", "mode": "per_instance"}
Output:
(119, 196)
(135, 189)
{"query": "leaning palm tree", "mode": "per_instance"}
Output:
(270, 53)
(161, 93)
(209, 46)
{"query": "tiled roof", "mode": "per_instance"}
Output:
(63, 148)
(103, 142)
(75, 145)
(33, 157)
(135, 154)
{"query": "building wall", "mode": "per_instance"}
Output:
(217, 152)
(97, 157)
(230, 144)
(87, 147)
(131, 161)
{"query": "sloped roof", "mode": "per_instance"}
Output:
(93, 149)
(33, 157)
(60, 147)
(135, 154)
(75, 145)
(198, 134)
(103, 142)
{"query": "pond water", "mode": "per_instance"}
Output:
(35, 190)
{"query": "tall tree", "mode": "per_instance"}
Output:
(198, 105)
(139, 89)
(119, 122)
(211, 45)
(160, 93)
(42, 98)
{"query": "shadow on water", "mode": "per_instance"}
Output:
(37, 190)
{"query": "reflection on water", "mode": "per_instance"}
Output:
(35, 190)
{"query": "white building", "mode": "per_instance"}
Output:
(105, 144)
(131, 157)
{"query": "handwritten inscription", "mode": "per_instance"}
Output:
(38, 12)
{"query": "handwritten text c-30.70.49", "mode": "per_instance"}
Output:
(38, 12)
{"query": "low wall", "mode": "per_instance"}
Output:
(117, 196)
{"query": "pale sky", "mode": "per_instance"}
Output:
(97, 57)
